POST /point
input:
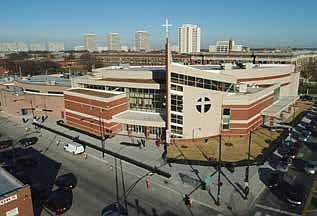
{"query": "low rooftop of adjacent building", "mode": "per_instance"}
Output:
(93, 92)
(46, 80)
(8, 182)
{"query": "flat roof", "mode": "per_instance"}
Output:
(8, 182)
(148, 81)
(93, 93)
(133, 68)
(141, 118)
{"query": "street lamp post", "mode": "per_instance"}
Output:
(247, 169)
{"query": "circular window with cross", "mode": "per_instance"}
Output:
(203, 105)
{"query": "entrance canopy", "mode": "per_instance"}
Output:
(276, 108)
(140, 118)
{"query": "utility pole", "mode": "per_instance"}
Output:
(219, 171)
(246, 180)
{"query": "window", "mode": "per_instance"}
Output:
(176, 130)
(178, 119)
(203, 105)
(177, 103)
(54, 92)
(226, 119)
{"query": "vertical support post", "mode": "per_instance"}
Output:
(247, 170)
(219, 172)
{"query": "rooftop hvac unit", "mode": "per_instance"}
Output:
(243, 87)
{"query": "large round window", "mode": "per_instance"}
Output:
(203, 105)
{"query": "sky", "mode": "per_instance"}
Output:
(257, 23)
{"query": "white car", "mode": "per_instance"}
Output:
(74, 148)
(311, 167)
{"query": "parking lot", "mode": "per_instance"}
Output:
(293, 161)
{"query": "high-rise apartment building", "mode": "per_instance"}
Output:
(55, 46)
(142, 41)
(37, 47)
(189, 38)
(90, 42)
(21, 47)
(114, 42)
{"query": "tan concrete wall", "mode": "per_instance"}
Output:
(9, 105)
(209, 122)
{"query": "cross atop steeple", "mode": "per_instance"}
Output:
(166, 25)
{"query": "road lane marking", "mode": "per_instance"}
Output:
(160, 185)
(276, 210)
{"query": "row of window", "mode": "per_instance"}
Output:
(202, 83)
(177, 103)
(176, 131)
(148, 100)
(226, 119)
(178, 119)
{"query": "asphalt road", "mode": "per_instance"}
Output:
(96, 187)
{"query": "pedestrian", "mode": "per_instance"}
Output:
(57, 142)
(85, 156)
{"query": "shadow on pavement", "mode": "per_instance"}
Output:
(130, 144)
(39, 170)
(265, 175)
(274, 160)
(299, 164)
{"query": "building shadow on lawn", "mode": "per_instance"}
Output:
(43, 172)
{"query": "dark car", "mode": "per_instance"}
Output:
(115, 209)
(28, 141)
(59, 202)
(66, 182)
(285, 147)
(275, 180)
(295, 194)
(306, 97)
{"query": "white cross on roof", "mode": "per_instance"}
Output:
(166, 25)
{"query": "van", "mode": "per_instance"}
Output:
(74, 148)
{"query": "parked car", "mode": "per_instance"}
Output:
(303, 131)
(311, 167)
(306, 97)
(307, 126)
(59, 202)
(285, 147)
(25, 142)
(114, 209)
(297, 136)
(275, 180)
(295, 194)
(74, 148)
(66, 182)
(282, 166)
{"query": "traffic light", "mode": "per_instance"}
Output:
(203, 186)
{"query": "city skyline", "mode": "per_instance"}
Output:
(255, 24)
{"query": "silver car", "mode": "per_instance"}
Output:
(311, 167)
